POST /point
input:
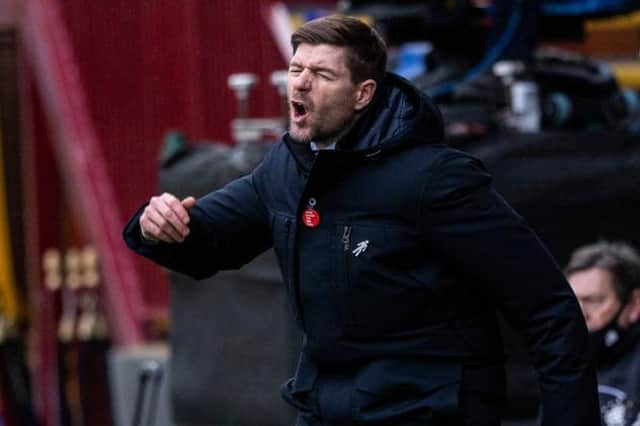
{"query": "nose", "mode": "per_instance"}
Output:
(302, 81)
(583, 309)
(585, 312)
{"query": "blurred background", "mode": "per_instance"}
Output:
(103, 104)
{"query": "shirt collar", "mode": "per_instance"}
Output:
(315, 148)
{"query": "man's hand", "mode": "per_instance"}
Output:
(166, 218)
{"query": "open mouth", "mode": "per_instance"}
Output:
(299, 109)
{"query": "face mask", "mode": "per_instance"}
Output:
(603, 342)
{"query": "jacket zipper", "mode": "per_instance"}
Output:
(346, 238)
(345, 284)
(346, 246)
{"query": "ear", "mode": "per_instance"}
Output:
(631, 312)
(365, 93)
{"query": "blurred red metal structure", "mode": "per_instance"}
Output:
(100, 86)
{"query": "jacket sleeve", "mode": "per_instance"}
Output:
(476, 232)
(228, 228)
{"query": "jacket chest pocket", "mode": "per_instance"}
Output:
(377, 294)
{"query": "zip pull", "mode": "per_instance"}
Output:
(346, 237)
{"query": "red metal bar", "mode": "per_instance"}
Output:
(40, 232)
(82, 163)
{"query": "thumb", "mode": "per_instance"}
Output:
(188, 202)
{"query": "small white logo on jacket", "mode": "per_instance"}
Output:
(360, 248)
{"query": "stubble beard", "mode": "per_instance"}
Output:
(300, 135)
(318, 135)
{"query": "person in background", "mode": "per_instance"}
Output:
(396, 250)
(605, 277)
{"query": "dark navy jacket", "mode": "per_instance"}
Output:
(397, 287)
(619, 380)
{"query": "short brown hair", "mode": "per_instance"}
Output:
(618, 258)
(366, 51)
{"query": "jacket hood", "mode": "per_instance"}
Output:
(399, 114)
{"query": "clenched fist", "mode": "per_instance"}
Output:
(166, 218)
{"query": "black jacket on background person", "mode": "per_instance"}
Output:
(397, 287)
(619, 380)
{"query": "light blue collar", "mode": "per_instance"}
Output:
(315, 148)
